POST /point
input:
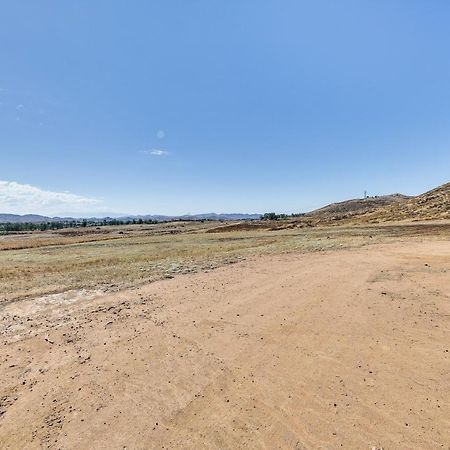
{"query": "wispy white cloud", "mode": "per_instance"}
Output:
(19, 198)
(160, 134)
(155, 152)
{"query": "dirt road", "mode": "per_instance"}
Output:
(345, 349)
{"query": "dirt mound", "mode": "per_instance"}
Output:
(241, 226)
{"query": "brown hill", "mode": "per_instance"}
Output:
(355, 207)
(432, 205)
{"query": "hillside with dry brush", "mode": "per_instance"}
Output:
(432, 205)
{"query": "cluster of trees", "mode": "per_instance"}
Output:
(275, 216)
(57, 225)
(29, 226)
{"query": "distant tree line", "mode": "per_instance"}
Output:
(275, 216)
(57, 225)
(84, 223)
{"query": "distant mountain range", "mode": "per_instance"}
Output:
(35, 218)
(27, 218)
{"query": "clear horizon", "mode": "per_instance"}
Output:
(103, 213)
(179, 107)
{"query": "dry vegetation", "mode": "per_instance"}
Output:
(337, 349)
(432, 205)
(38, 264)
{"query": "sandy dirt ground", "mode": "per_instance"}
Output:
(344, 349)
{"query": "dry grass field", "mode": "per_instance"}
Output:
(111, 258)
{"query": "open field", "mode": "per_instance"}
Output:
(111, 258)
(320, 338)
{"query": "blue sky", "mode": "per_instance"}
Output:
(194, 106)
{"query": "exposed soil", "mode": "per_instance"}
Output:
(241, 226)
(344, 349)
